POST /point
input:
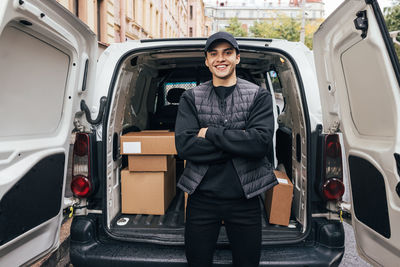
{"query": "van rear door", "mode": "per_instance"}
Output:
(45, 69)
(359, 80)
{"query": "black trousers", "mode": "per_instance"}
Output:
(242, 220)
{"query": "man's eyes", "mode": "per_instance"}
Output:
(213, 54)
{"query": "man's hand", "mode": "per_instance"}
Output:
(202, 133)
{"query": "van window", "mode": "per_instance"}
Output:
(276, 82)
(170, 85)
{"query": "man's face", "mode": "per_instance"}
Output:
(221, 60)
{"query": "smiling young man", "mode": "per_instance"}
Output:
(224, 130)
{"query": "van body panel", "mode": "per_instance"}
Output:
(44, 51)
(359, 87)
(39, 31)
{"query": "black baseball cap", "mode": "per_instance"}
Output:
(221, 36)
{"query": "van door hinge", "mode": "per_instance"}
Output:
(334, 128)
(78, 126)
(345, 212)
(361, 23)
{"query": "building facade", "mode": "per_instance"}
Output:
(122, 20)
(198, 24)
(249, 11)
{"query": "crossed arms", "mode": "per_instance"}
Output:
(214, 144)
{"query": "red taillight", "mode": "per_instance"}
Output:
(81, 144)
(333, 187)
(81, 184)
(333, 147)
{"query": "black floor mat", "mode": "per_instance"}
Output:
(170, 227)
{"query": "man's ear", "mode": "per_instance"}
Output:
(237, 58)
(205, 61)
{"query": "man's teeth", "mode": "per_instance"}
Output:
(221, 67)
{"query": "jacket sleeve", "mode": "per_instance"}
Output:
(256, 138)
(188, 145)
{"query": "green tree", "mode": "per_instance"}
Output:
(392, 16)
(235, 28)
(392, 19)
(287, 28)
(310, 28)
(281, 28)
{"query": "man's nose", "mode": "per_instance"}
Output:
(220, 56)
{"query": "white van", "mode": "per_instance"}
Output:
(50, 89)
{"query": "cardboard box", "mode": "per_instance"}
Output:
(147, 192)
(149, 162)
(148, 143)
(278, 200)
(155, 131)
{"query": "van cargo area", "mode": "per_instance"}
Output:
(146, 91)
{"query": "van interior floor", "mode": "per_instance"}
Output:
(168, 227)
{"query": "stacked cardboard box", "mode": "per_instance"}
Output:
(148, 184)
(278, 200)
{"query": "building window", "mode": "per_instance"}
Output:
(190, 32)
(157, 30)
(191, 12)
(101, 21)
(76, 8)
(99, 35)
(151, 21)
(134, 9)
(129, 9)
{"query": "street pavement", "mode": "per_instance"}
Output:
(351, 257)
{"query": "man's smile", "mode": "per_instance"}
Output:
(221, 66)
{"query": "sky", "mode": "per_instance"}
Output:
(331, 5)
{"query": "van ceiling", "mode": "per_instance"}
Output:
(167, 59)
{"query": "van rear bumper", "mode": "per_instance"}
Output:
(89, 247)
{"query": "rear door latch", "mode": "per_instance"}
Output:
(361, 23)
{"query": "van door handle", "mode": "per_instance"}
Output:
(85, 108)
